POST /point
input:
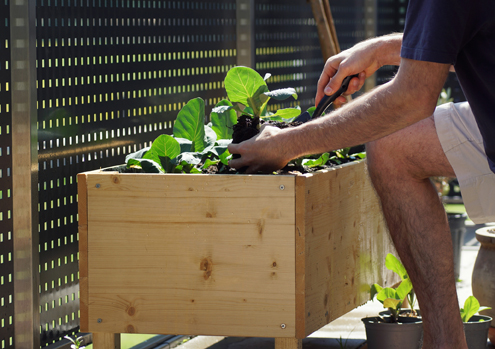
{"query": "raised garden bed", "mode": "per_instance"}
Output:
(234, 255)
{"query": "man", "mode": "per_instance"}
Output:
(409, 141)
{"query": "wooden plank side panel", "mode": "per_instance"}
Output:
(346, 242)
(184, 256)
(300, 240)
(83, 249)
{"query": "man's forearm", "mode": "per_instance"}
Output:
(390, 107)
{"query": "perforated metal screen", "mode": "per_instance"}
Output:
(287, 46)
(112, 76)
(6, 242)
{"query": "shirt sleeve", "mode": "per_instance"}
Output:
(435, 30)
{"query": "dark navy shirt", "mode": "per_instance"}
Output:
(462, 33)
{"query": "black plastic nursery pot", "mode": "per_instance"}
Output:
(381, 335)
(476, 331)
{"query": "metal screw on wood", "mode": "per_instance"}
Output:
(99, 320)
(282, 187)
(97, 185)
(282, 326)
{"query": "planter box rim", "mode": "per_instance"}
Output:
(330, 169)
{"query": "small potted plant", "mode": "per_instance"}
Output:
(475, 326)
(396, 327)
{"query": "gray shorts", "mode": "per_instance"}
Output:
(462, 143)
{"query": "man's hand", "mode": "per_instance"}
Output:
(265, 152)
(364, 58)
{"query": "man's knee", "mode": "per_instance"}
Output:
(382, 157)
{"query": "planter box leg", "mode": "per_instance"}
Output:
(287, 343)
(106, 340)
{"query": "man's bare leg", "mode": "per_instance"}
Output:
(400, 166)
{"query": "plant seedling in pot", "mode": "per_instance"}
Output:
(394, 298)
(471, 307)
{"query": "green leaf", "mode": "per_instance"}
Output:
(133, 163)
(391, 303)
(342, 153)
(244, 85)
(471, 307)
(282, 94)
(209, 163)
(404, 288)
(385, 293)
(136, 155)
(190, 123)
(188, 158)
(336, 160)
(166, 146)
(311, 110)
(225, 157)
(163, 150)
(374, 290)
(185, 144)
(395, 265)
(360, 155)
(288, 113)
(210, 139)
(219, 109)
(221, 146)
(318, 162)
(150, 166)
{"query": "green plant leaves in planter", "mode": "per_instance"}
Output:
(194, 146)
(247, 87)
(471, 307)
(223, 120)
(190, 123)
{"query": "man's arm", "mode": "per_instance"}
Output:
(411, 96)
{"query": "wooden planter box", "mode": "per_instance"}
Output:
(233, 255)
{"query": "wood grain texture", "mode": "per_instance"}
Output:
(345, 244)
(106, 340)
(288, 343)
(228, 255)
(83, 249)
(191, 254)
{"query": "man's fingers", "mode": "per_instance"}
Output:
(233, 148)
(236, 163)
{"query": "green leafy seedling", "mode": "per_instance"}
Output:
(393, 298)
(471, 307)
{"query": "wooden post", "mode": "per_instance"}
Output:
(287, 343)
(327, 44)
(106, 340)
(331, 25)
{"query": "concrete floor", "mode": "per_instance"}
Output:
(347, 331)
